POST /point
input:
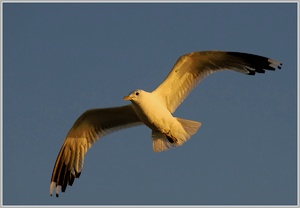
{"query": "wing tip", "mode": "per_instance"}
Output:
(57, 195)
(65, 182)
(271, 65)
(274, 64)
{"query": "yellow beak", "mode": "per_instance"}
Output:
(127, 98)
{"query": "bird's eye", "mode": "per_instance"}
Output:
(137, 93)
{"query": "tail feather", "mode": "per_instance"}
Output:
(161, 142)
(191, 127)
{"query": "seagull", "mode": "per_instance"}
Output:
(153, 109)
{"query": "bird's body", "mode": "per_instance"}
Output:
(153, 112)
(153, 109)
(144, 104)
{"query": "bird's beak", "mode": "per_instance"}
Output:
(127, 98)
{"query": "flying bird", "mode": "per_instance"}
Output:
(153, 109)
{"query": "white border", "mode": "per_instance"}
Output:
(146, 1)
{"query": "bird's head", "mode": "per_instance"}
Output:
(134, 96)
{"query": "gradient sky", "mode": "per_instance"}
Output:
(60, 59)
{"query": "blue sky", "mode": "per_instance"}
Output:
(60, 59)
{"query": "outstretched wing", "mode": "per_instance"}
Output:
(87, 129)
(191, 68)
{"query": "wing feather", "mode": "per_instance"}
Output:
(87, 129)
(191, 68)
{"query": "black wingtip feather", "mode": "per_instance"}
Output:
(63, 176)
(251, 73)
(260, 70)
(257, 64)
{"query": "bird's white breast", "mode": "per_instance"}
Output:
(153, 113)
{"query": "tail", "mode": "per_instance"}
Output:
(162, 142)
(191, 127)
